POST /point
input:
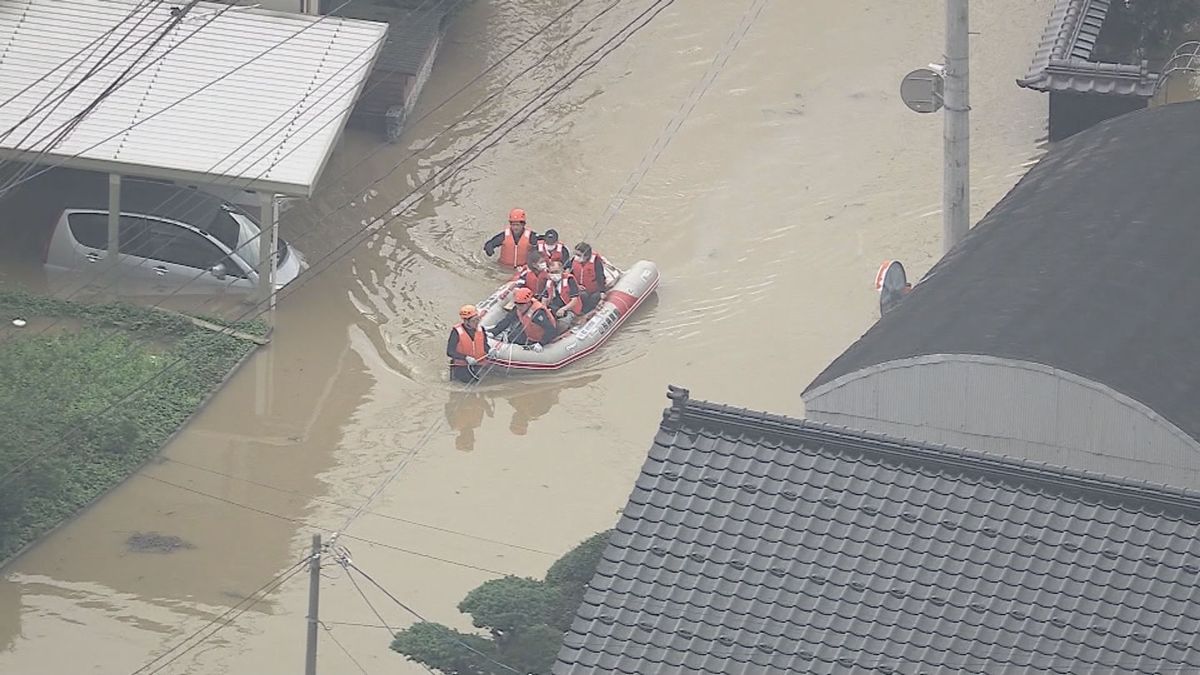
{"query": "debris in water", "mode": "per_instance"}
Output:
(153, 542)
(19, 323)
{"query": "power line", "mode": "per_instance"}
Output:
(715, 67)
(273, 47)
(329, 632)
(478, 148)
(95, 41)
(340, 505)
(224, 619)
(304, 523)
(64, 129)
(349, 564)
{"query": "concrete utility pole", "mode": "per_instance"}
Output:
(314, 593)
(956, 201)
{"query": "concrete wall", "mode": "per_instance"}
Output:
(1012, 408)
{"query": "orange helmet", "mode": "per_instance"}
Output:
(468, 312)
(523, 295)
(516, 216)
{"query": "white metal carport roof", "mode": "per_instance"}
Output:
(228, 96)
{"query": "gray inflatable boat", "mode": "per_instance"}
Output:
(626, 291)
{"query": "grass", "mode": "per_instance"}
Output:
(69, 431)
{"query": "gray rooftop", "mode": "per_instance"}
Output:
(754, 543)
(1086, 266)
(1063, 62)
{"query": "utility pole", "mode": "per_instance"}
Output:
(956, 202)
(314, 594)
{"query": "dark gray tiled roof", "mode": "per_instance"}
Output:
(1086, 266)
(1062, 60)
(760, 544)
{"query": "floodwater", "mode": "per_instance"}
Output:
(768, 215)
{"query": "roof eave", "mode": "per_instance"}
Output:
(153, 171)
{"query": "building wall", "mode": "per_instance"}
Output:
(1013, 408)
(1071, 113)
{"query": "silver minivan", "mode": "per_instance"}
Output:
(171, 240)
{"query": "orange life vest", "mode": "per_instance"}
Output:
(514, 252)
(562, 290)
(525, 315)
(531, 279)
(585, 274)
(470, 346)
(557, 253)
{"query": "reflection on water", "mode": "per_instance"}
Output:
(464, 413)
(532, 399)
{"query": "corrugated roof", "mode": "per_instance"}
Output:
(754, 543)
(1062, 60)
(1087, 265)
(279, 115)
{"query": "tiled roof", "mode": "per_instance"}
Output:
(754, 543)
(1062, 60)
(1086, 266)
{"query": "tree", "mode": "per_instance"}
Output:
(525, 620)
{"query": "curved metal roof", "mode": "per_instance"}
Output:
(1088, 265)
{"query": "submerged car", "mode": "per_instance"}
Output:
(170, 240)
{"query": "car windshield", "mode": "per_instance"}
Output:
(248, 241)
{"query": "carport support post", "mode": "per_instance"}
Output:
(956, 137)
(114, 222)
(267, 241)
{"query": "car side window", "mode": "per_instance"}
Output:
(89, 229)
(181, 246)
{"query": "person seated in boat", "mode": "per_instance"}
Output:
(588, 269)
(532, 274)
(562, 296)
(529, 322)
(467, 347)
(514, 242)
(552, 249)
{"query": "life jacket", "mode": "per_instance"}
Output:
(585, 273)
(557, 253)
(514, 252)
(525, 315)
(561, 291)
(531, 279)
(470, 346)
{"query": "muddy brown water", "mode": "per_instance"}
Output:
(768, 215)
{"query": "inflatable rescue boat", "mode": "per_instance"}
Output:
(626, 291)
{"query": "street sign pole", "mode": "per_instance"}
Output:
(945, 85)
(956, 201)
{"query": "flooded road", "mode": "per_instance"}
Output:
(768, 214)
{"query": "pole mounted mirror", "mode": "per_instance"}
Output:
(921, 90)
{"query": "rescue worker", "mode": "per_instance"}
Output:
(534, 324)
(532, 274)
(515, 241)
(467, 347)
(552, 249)
(562, 296)
(588, 269)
